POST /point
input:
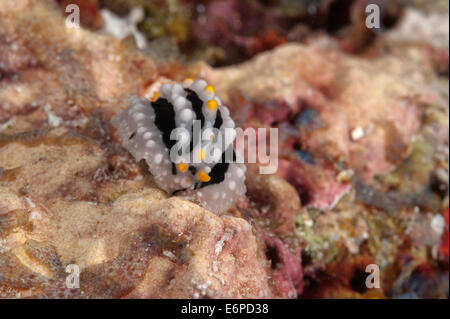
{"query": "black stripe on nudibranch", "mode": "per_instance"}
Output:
(218, 171)
(217, 174)
(132, 135)
(193, 170)
(165, 120)
(218, 122)
(197, 104)
(174, 169)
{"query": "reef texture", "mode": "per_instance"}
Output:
(129, 240)
(363, 159)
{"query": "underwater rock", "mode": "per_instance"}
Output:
(128, 239)
(348, 93)
(276, 200)
(363, 166)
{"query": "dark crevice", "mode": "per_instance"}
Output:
(273, 256)
(358, 281)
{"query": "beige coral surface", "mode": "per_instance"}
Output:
(56, 193)
(71, 195)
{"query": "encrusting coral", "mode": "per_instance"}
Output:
(185, 136)
(362, 178)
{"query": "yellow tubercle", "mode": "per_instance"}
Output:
(212, 105)
(203, 177)
(156, 96)
(188, 80)
(210, 88)
(182, 167)
(201, 155)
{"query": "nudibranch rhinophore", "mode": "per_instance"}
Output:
(186, 135)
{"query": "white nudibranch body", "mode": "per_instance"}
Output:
(186, 137)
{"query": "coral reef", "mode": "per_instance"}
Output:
(363, 121)
(129, 240)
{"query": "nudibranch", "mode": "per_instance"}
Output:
(199, 165)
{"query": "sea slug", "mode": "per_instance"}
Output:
(186, 135)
